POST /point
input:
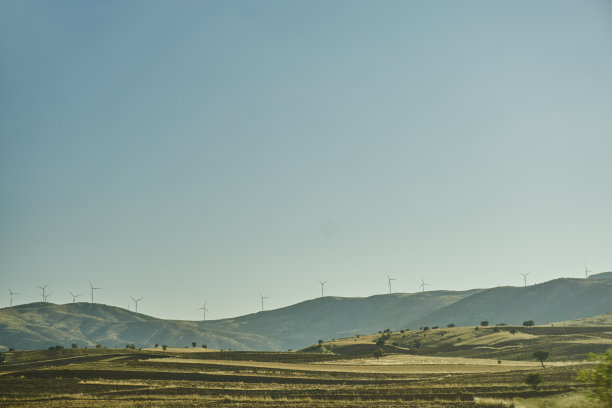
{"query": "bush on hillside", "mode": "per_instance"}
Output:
(600, 375)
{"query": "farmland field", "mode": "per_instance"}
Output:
(186, 378)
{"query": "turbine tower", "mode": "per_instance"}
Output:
(423, 284)
(44, 297)
(525, 277)
(204, 310)
(262, 301)
(12, 293)
(92, 291)
(389, 279)
(73, 296)
(47, 295)
(587, 271)
(322, 286)
(136, 302)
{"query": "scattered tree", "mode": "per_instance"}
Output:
(381, 341)
(541, 356)
(484, 323)
(450, 325)
(321, 341)
(74, 345)
(1, 358)
(11, 348)
(528, 323)
(416, 344)
(204, 346)
(600, 375)
(512, 331)
(378, 353)
(156, 345)
(435, 327)
(425, 328)
(164, 347)
(193, 344)
(534, 380)
(98, 346)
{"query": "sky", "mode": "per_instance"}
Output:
(192, 151)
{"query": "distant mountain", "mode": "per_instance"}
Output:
(601, 276)
(39, 325)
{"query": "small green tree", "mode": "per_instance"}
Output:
(378, 353)
(541, 356)
(204, 346)
(534, 380)
(74, 345)
(164, 347)
(601, 376)
(193, 344)
(484, 323)
(450, 325)
(528, 323)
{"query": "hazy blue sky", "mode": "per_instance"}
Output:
(184, 151)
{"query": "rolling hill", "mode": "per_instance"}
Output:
(40, 325)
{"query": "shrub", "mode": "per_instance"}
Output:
(378, 353)
(484, 323)
(600, 375)
(402, 331)
(204, 346)
(98, 346)
(11, 348)
(416, 344)
(534, 380)
(476, 328)
(512, 331)
(425, 328)
(435, 327)
(74, 345)
(380, 342)
(528, 323)
(450, 325)
(164, 347)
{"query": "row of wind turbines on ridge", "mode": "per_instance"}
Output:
(92, 288)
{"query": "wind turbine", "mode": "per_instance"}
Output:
(262, 301)
(586, 271)
(525, 277)
(204, 310)
(92, 291)
(47, 295)
(136, 302)
(390, 279)
(322, 286)
(423, 284)
(12, 293)
(73, 296)
(43, 291)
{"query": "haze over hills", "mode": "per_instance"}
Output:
(39, 325)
